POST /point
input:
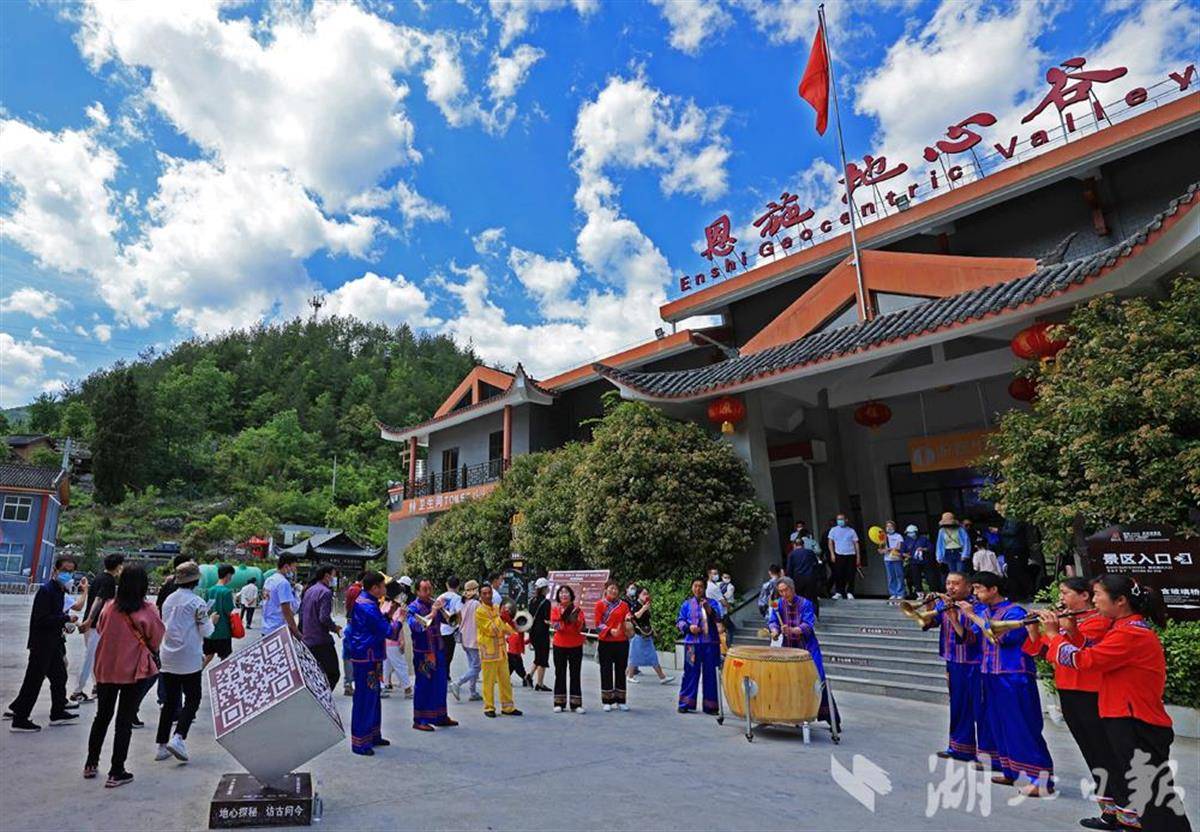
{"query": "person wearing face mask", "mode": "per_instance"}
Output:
(365, 647)
(953, 544)
(920, 566)
(47, 651)
(846, 552)
(893, 561)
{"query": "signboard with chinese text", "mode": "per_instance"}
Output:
(1153, 557)
(964, 153)
(433, 503)
(588, 585)
(947, 451)
(241, 801)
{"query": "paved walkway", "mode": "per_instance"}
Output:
(647, 769)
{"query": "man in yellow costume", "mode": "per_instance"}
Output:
(492, 625)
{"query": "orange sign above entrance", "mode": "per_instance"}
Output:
(950, 450)
(439, 502)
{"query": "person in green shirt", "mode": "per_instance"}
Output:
(220, 643)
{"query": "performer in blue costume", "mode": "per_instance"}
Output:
(425, 617)
(364, 648)
(793, 617)
(959, 649)
(1011, 705)
(698, 622)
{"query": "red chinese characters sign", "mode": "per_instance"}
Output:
(588, 585)
(785, 223)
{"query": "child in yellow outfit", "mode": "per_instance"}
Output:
(491, 628)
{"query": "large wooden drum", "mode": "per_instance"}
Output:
(785, 684)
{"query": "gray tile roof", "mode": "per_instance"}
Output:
(29, 476)
(1047, 280)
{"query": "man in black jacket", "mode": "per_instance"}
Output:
(47, 651)
(802, 566)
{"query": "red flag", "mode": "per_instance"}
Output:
(814, 86)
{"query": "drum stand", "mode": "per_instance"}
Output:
(750, 690)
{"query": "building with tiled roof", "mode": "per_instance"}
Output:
(922, 340)
(31, 500)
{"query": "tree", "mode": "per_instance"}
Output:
(220, 527)
(365, 522)
(119, 438)
(44, 414)
(250, 522)
(662, 498)
(5, 424)
(76, 421)
(1114, 434)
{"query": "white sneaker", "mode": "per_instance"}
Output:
(622, 707)
(837, 596)
(633, 680)
(607, 708)
(162, 754)
(849, 596)
(580, 710)
(178, 748)
(666, 680)
(558, 709)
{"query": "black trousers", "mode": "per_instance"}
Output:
(123, 700)
(247, 616)
(924, 571)
(1020, 576)
(806, 587)
(843, 574)
(1126, 736)
(614, 660)
(448, 648)
(568, 660)
(516, 664)
(1082, 715)
(327, 657)
(176, 686)
(45, 663)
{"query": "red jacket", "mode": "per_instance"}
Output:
(352, 593)
(1132, 666)
(614, 621)
(1090, 628)
(567, 634)
(515, 643)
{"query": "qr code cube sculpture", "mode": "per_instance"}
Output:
(272, 707)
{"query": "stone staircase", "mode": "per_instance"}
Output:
(869, 647)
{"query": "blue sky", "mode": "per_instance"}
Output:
(530, 177)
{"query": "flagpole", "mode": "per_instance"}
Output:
(863, 308)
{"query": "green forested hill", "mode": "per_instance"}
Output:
(251, 421)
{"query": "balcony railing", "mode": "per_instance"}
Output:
(455, 479)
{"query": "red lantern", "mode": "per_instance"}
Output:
(1034, 342)
(873, 414)
(1022, 389)
(728, 411)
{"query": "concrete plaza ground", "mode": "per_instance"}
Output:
(647, 769)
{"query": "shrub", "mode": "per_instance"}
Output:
(1181, 643)
(666, 597)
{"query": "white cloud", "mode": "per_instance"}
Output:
(516, 16)
(631, 124)
(693, 21)
(33, 302)
(374, 298)
(23, 372)
(62, 210)
(489, 241)
(37, 333)
(795, 21)
(224, 246)
(510, 71)
(97, 115)
(103, 333)
(411, 205)
(548, 281)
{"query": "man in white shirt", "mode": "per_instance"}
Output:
(712, 590)
(470, 644)
(280, 603)
(248, 600)
(188, 622)
(452, 602)
(846, 553)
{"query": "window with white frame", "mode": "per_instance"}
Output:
(17, 508)
(12, 557)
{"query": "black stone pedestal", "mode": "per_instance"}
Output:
(241, 801)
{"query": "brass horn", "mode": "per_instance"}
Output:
(916, 609)
(993, 630)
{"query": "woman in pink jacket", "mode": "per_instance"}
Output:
(130, 634)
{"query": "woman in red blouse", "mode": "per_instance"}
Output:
(613, 649)
(566, 622)
(1078, 691)
(1133, 672)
